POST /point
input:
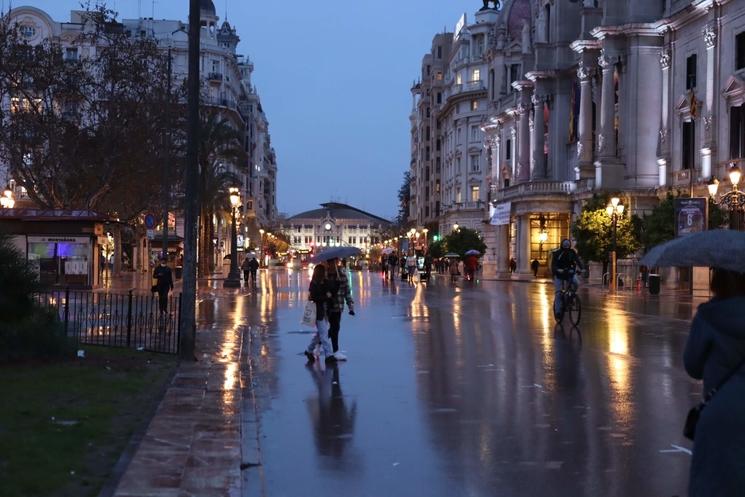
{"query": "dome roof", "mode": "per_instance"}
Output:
(207, 7)
(517, 13)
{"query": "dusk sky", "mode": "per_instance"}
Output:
(334, 79)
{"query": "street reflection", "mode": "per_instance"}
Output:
(332, 419)
(618, 365)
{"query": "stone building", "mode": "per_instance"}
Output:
(629, 98)
(334, 225)
(226, 88)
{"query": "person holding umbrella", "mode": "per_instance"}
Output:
(471, 264)
(337, 276)
(322, 293)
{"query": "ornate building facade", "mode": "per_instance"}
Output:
(599, 96)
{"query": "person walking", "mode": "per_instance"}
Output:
(253, 268)
(384, 265)
(338, 277)
(535, 265)
(163, 279)
(513, 265)
(453, 269)
(715, 352)
(245, 269)
(392, 262)
(411, 266)
(322, 293)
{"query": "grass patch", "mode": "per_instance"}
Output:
(63, 425)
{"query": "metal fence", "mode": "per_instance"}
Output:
(117, 320)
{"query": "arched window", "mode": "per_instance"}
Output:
(547, 34)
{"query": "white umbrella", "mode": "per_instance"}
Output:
(724, 249)
(336, 253)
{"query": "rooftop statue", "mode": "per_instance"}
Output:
(487, 2)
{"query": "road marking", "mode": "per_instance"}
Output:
(676, 449)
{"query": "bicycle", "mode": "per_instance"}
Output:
(569, 302)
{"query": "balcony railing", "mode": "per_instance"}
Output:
(533, 188)
(214, 76)
(465, 206)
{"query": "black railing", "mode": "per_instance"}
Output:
(117, 320)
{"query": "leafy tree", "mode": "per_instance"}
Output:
(437, 249)
(404, 200)
(659, 225)
(463, 240)
(219, 146)
(593, 231)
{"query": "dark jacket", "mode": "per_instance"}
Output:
(562, 259)
(164, 278)
(343, 292)
(716, 345)
(319, 293)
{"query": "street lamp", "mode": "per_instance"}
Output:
(456, 227)
(234, 276)
(426, 239)
(615, 210)
(734, 199)
(7, 201)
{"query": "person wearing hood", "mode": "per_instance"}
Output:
(715, 352)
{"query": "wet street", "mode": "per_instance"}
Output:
(466, 390)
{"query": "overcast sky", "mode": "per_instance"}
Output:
(334, 79)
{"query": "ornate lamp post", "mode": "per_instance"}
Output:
(734, 199)
(7, 201)
(234, 276)
(615, 210)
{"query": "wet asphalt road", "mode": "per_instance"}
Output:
(467, 390)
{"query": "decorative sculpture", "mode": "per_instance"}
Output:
(487, 2)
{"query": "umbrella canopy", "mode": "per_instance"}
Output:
(724, 249)
(251, 255)
(336, 253)
(451, 254)
(473, 252)
(387, 251)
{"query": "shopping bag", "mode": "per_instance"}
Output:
(309, 315)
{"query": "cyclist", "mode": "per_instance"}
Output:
(564, 264)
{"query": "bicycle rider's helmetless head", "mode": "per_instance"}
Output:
(566, 244)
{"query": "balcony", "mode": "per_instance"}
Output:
(214, 77)
(465, 206)
(471, 86)
(534, 188)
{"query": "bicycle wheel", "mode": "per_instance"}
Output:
(559, 313)
(575, 309)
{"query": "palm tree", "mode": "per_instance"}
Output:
(220, 145)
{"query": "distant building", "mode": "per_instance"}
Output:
(334, 225)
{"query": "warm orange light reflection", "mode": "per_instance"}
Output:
(618, 365)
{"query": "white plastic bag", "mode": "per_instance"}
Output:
(309, 315)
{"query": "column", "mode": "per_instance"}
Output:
(710, 40)
(538, 133)
(607, 138)
(663, 154)
(523, 243)
(523, 139)
(502, 249)
(584, 145)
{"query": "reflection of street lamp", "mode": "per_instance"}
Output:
(542, 238)
(234, 276)
(734, 199)
(615, 210)
(426, 239)
(7, 201)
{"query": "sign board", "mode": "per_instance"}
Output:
(151, 234)
(240, 241)
(500, 214)
(691, 215)
(59, 239)
(459, 26)
(149, 221)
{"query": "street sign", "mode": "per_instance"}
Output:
(149, 222)
(151, 234)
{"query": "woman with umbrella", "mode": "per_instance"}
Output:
(715, 352)
(471, 264)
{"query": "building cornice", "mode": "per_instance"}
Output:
(580, 46)
(534, 76)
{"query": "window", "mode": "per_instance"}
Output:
(457, 136)
(427, 113)
(475, 193)
(737, 132)
(474, 105)
(27, 31)
(547, 34)
(740, 51)
(492, 89)
(438, 76)
(474, 133)
(71, 54)
(458, 196)
(514, 74)
(437, 186)
(439, 97)
(458, 79)
(689, 144)
(439, 52)
(427, 133)
(508, 150)
(691, 72)
(476, 75)
(475, 165)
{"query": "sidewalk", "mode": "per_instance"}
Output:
(193, 443)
